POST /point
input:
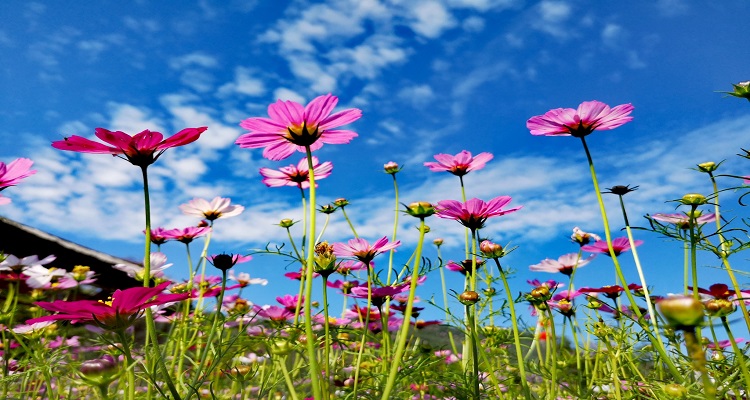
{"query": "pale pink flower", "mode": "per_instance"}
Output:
(293, 127)
(158, 265)
(474, 212)
(619, 245)
(583, 238)
(13, 263)
(682, 220)
(11, 174)
(39, 277)
(565, 264)
(219, 207)
(296, 175)
(23, 329)
(460, 164)
(590, 116)
(141, 149)
(362, 250)
(243, 279)
(186, 235)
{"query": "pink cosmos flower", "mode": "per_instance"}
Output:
(292, 128)
(565, 264)
(583, 238)
(722, 344)
(474, 212)
(361, 249)
(682, 220)
(185, 235)
(619, 245)
(141, 149)
(589, 117)
(460, 164)
(157, 236)
(274, 313)
(296, 175)
(13, 263)
(11, 174)
(243, 279)
(125, 306)
(219, 207)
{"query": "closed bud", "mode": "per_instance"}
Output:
(391, 168)
(468, 298)
(286, 223)
(693, 199)
(707, 166)
(80, 272)
(328, 209)
(223, 262)
(491, 250)
(100, 371)
(279, 347)
(438, 242)
(341, 202)
(541, 293)
(675, 391)
(682, 312)
(719, 307)
(420, 209)
(741, 89)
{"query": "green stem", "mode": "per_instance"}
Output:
(618, 271)
(311, 342)
(445, 302)
(204, 355)
(516, 334)
(739, 357)
(698, 357)
(723, 244)
(147, 270)
(326, 327)
(351, 226)
(404, 331)
(395, 231)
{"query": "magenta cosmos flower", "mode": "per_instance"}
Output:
(185, 235)
(296, 175)
(362, 250)
(590, 116)
(142, 149)
(474, 212)
(564, 264)
(460, 164)
(120, 312)
(11, 174)
(293, 127)
(217, 208)
(619, 245)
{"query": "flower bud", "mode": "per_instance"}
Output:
(179, 288)
(468, 298)
(675, 391)
(391, 168)
(491, 250)
(682, 312)
(280, 347)
(420, 209)
(438, 242)
(719, 307)
(286, 223)
(707, 166)
(693, 199)
(341, 202)
(100, 371)
(541, 293)
(328, 209)
(741, 89)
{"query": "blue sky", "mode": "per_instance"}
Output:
(430, 76)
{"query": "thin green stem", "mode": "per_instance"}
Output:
(516, 334)
(395, 230)
(404, 331)
(326, 328)
(445, 302)
(311, 342)
(618, 271)
(739, 356)
(351, 226)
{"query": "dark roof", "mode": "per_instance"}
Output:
(22, 240)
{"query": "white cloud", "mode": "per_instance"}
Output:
(197, 58)
(132, 119)
(430, 19)
(369, 58)
(417, 95)
(288, 94)
(473, 24)
(613, 35)
(244, 83)
(552, 18)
